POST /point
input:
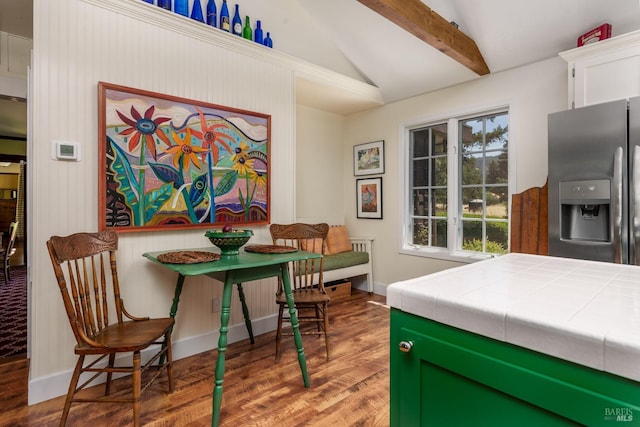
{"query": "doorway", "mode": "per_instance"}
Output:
(13, 292)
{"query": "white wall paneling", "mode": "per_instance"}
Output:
(129, 43)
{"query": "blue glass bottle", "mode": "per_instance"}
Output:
(196, 11)
(148, 1)
(236, 24)
(267, 40)
(225, 23)
(212, 13)
(181, 7)
(257, 33)
(165, 4)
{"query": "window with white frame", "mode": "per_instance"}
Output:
(458, 185)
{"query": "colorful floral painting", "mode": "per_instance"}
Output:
(169, 162)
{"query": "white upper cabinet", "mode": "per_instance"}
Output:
(604, 71)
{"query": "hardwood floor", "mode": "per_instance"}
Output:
(350, 390)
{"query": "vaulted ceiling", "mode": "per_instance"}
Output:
(351, 38)
(508, 34)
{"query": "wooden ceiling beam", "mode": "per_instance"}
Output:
(421, 21)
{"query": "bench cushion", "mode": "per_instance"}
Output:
(344, 259)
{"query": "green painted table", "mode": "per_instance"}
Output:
(236, 269)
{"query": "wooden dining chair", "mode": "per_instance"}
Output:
(311, 299)
(8, 250)
(86, 271)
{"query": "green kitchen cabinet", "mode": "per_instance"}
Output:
(444, 376)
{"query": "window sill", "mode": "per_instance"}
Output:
(457, 256)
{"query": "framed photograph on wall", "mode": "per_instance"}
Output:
(175, 163)
(369, 198)
(368, 159)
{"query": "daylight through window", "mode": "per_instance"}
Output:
(458, 172)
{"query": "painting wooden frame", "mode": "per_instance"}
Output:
(173, 163)
(368, 159)
(369, 198)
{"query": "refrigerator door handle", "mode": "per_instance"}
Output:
(616, 201)
(635, 205)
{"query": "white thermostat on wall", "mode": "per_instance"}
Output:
(62, 150)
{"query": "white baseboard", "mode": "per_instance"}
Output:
(45, 388)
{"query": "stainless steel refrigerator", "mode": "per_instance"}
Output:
(594, 182)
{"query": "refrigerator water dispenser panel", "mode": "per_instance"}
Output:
(584, 209)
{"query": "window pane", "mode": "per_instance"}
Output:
(497, 131)
(439, 233)
(471, 169)
(439, 165)
(497, 237)
(420, 173)
(421, 232)
(421, 202)
(472, 202)
(497, 199)
(440, 207)
(420, 142)
(497, 167)
(439, 136)
(471, 137)
(430, 232)
(472, 236)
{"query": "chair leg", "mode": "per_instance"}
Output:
(107, 386)
(279, 331)
(318, 327)
(6, 273)
(72, 390)
(325, 312)
(169, 362)
(137, 384)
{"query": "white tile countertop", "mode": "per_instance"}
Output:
(586, 312)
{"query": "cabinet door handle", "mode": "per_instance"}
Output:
(406, 346)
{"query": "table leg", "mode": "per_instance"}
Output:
(297, 336)
(245, 312)
(176, 296)
(222, 349)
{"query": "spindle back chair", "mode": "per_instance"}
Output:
(307, 285)
(86, 272)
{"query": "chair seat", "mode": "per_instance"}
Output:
(128, 336)
(304, 296)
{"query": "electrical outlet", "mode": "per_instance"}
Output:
(215, 305)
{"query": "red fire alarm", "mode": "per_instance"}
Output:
(599, 33)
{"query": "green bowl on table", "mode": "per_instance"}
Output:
(229, 242)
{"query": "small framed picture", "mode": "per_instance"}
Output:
(369, 198)
(368, 159)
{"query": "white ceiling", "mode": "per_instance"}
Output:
(508, 33)
(347, 37)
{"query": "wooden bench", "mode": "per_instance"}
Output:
(353, 263)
